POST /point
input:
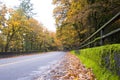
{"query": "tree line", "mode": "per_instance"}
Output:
(20, 32)
(76, 20)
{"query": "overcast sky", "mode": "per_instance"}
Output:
(44, 10)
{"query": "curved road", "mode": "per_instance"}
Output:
(27, 67)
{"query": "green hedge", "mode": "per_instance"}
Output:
(104, 60)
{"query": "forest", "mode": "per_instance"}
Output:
(76, 20)
(20, 32)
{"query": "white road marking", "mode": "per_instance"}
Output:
(20, 61)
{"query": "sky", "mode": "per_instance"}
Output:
(43, 10)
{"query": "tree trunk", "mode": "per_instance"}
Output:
(7, 46)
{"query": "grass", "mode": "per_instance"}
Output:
(101, 60)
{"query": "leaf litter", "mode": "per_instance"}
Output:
(68, 68)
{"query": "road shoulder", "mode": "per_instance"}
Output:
(69, 68)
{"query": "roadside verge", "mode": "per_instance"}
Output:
(104, 61)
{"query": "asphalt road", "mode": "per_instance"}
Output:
(27, 67)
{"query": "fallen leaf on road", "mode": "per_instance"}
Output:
(69, 68)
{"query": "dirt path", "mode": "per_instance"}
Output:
(70, 68)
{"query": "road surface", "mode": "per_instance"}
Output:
(27, 67)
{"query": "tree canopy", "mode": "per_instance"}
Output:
(85, 17)
(20, 32)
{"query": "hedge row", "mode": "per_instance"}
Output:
(104, 60)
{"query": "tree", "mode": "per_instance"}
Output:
(33, 37)
(60, 12)
(20, 32)
(3, 12)
(27, 7)
(14, 25)
(86, 16)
